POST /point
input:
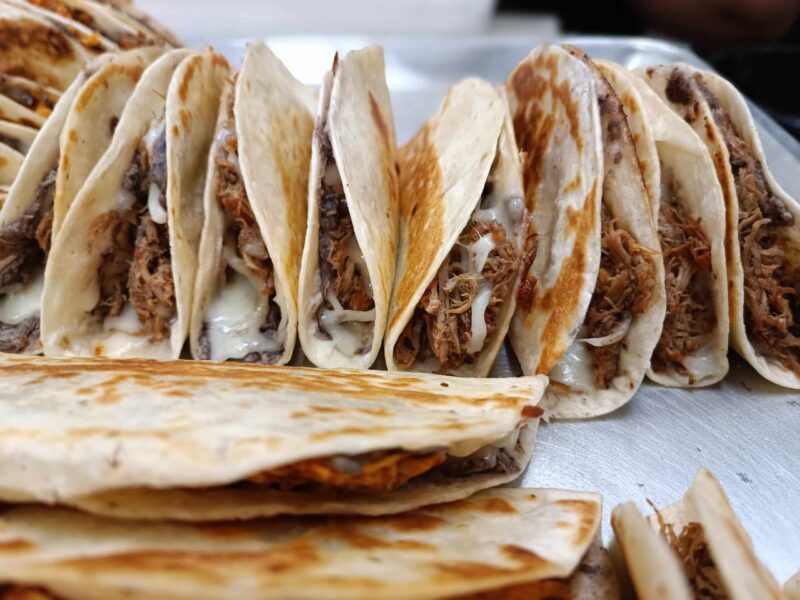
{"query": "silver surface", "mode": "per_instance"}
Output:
(745, 430)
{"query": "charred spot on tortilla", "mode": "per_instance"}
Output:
(344, 302)
(457, 314)
(771, 282)
(135, 273)
(243, 321)
(32, 97)
(679, 88)
(690, 316)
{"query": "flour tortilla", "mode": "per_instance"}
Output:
(356, 114)
(19, 137)
(443, 171)
(791, 588)
(24, 92)
(740, 573)
(495, 539)
(185, 87)
(166, 439)
(698, 113)
(573, 391)
(10, 164)
(13, 112)
(669, 150)
(92, 121)
(131, 12)
(274, 122)
(563, 178)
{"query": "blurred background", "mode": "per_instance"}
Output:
(755, 43)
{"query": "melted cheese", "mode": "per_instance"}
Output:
(479, 307)
(234, 318)
(349, 329)
(17, 306)
(157, 212)
(155, 131)
(126, 322)
(576, 368)
(479, 253)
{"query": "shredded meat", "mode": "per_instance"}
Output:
(692, 551)
(771, 283)
(623, 289)
(527, 285)
(25, 592)
(442, 321)
(20, 338)
(150, 284)
(687, 264)
(373, 472)
(115, 261)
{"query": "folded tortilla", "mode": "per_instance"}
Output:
(130, 12)
(536, 538)
(10, 163)
(35, 97)
(28, 221)
(209, 441)
(791, 589)
(126, 254)
(695, 547)
(245, 299)
(351, 238)
(605, 364)
(463, 222)
(687, 204)
(763, 221)
(18, 137)
(557, 127)
(12, 112)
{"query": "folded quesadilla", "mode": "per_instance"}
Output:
(351, 238)
(694, 548)
(245, 299)
(126, 254)
(88, 38)
(17, 137)
(208, 441)
(687, 204)
(131, 12)
(38, 99)
(762, 233)
(68, 145)
(606, 363)
(12, 112)
(537, 539)
(463, 223)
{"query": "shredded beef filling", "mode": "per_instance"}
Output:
(623, 289)
(771, 283)
(339, 273)
(442, 321)
(384, 470)
(244, 234)
(136, 267)
(690, 309)
(26, 592)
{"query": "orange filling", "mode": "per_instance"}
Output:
(384, 474)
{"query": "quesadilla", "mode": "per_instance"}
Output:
(463, 222)
(351, 238)
(28, 220)
(762, 234)
(245, 298)
(602, 369)
(17, 137)
(686, 202)
(694, 548)
(532, 538)
(210, 441)
(126, 254)
(13, 112)
(28, 94)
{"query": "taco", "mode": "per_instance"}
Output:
(763, 223)
(351, 238)
(126, 254)
(694, 548)
(536, 538)
(686, 202)
(12, 112)
(132, 13)
(604, 366)
(209, 441)
(10, 164)
(28, 219)
(245, 299)
(17, 137)
(37, 98)
(463, 222)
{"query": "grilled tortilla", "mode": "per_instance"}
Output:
(351, 238)
(13, 112)
(701, 550)
(126, 254)
(463, 221)
(38, 99)
(552, 97)
(10, 164)
(245, 300)
(35, 203)
(211, 441)
(531, 537)
(17, 137)
(605, 365)
(762, 233)
(687, 204)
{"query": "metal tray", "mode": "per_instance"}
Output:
(745, 430)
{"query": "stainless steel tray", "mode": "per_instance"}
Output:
(745, 430)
